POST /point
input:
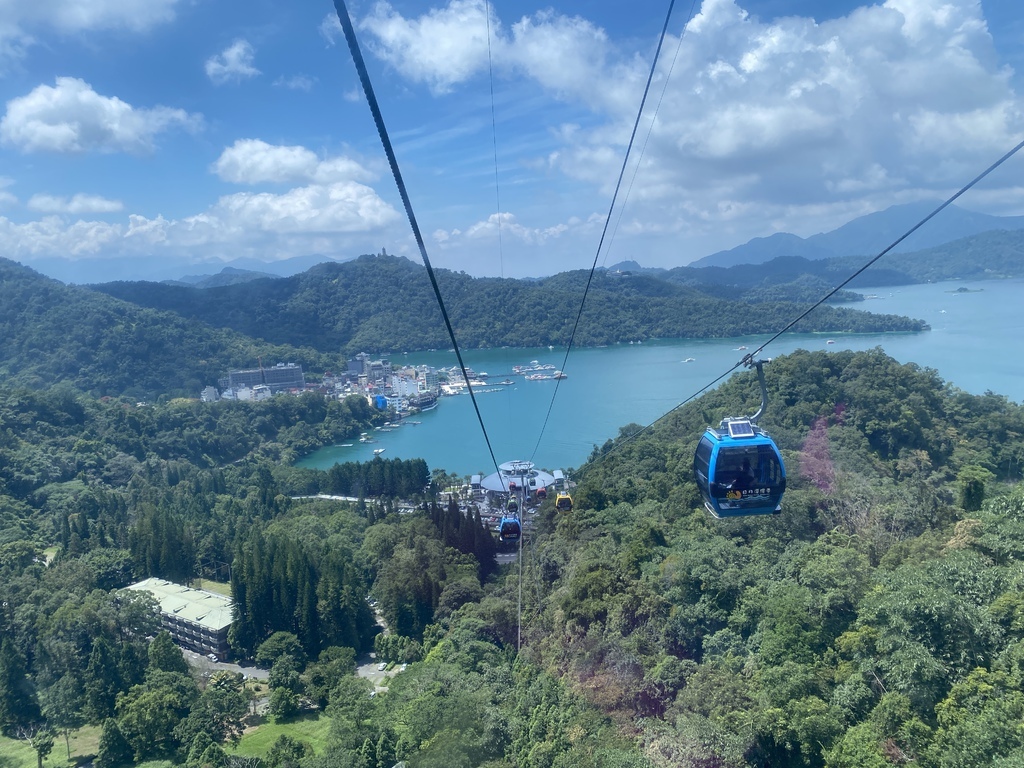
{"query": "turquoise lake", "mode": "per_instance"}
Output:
(974, 343)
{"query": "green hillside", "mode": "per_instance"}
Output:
(875, 622)
(386, 303)
(51, 334)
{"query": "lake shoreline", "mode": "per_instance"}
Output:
(608, 387)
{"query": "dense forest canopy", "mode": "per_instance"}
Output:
(875, 622)
(385, 303)
(51, 333)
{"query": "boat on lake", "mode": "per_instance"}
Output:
(378, 451)
(533, 367)
(426, 401)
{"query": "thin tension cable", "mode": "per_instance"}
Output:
(607, 219)
(749, 358)
(378, 119)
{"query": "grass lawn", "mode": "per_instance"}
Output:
(217, 587)
(18, 754)
(310, 728)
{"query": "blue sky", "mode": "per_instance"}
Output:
(182, 134)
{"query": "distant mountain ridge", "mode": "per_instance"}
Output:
(227, 276)
(868, 235)
(90, 270)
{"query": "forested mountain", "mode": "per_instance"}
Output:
(987, 256)
(384, 303)
(227, 276)
(51, 333)
(869, 234)
(875, 622)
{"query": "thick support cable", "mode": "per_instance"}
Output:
(892, 245)
(385, 140)
(749, 358)
(519, 606)
(608, 218)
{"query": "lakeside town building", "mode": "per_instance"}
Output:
(278, 378)
(402, 389)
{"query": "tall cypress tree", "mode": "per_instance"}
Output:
(102, 682)
(18, 703)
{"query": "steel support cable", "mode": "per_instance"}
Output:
(501, 265)
(892, 245)
(647, 139)
(519, 607)
(749, 358)
(607, 219)
(385, 139)
(497, 189)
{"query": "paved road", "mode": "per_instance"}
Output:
(366, 666)
(203, 664)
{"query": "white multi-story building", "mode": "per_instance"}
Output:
(195, 618)
(402, 386)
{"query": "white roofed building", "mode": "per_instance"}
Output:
(195, 618)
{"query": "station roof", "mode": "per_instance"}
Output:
(521, 472)
(197, 606)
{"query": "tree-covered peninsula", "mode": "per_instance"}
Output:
(386, 303)
(875, 622)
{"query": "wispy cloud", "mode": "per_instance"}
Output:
(76, 205)
(233, 64)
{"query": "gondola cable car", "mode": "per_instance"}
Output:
(563, 502)
(738, 468)
(510, 529)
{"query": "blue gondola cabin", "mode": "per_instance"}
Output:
(739, 470)
(509, 529)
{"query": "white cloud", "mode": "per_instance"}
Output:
(764, 125)
(233, 64)
(341, 207)
(53, 235)
(72, 117)
(317, 218)
(330, 28)
(22, 20)
(76, 205)
(441, 48)
(508, 226)
(86, 15)
(252, 161)
(295, 82)
(7, 199)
